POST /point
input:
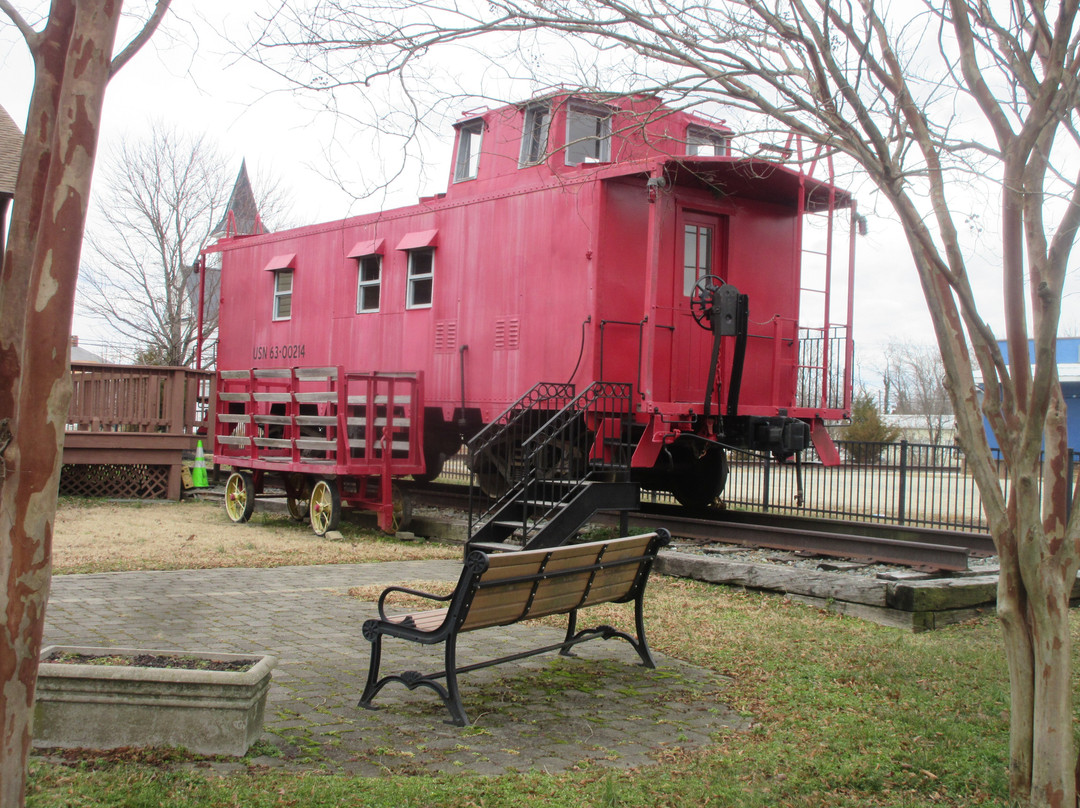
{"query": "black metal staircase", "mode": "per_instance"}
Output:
(548, 482)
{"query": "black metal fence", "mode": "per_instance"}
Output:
(921, 485)
(893, 483)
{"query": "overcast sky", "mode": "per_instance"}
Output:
(193, 76)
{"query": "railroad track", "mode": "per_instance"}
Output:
(918, 548)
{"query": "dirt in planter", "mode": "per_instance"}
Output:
(151, 661)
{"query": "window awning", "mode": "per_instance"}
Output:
(283, 261)
(372, 246)
(418, 239)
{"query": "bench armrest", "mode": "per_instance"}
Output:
(418, 593)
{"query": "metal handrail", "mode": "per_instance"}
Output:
(583, 440)
(541, 392)
(820, 372)
(496, 444)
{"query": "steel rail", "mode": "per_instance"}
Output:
(979, 544)
(918, 555)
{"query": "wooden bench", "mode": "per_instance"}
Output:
(506, 588)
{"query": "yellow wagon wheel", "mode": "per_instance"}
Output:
(298, 508)
(402, 510)
(240, 496)
(297, 497)
(325, 507)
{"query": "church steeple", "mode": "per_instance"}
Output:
(242, 213)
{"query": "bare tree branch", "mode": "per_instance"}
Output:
(140, 39)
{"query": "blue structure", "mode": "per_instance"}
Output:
(1068, 364)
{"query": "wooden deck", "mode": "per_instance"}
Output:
(128, 427)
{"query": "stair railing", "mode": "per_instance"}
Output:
(496, 449)
(586, 440)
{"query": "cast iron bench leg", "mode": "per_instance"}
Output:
(641, 646)
(571, 628)
(453, 695)
(372, 686)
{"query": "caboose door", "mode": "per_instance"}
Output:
(700, 251)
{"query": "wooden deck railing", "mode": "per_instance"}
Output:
(137, 398)
(133, 417)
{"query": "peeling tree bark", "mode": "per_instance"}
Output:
(73, 62)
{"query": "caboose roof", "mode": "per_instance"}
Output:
(752, 178)
(741, 178)
(746, 178)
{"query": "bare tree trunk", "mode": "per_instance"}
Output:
(37, 286)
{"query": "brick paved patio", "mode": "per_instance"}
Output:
(546, 712)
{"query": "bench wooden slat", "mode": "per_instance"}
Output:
(425, 621)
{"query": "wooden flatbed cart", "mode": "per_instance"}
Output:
(332, 438)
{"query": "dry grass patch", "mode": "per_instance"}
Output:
(93, 536)
(400, 601)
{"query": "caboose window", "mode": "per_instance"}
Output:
(283, 294)
(697, 255)
(468, 152)
(421, 278)
(534, 135)
(369, 282)
(588, 135)
(704, 142)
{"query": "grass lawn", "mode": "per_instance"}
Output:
(100, 536)
(845, 713)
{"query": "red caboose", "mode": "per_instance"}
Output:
(583, 239)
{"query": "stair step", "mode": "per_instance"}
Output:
(495, 547)
(516, 525)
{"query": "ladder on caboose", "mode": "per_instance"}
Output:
(551, 461)
(827, 348)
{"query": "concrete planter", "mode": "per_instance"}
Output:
(106, 706)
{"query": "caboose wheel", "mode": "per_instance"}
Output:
(240, 496)
(325, 507)
(701, 300)
(698, 479)
(433, 461)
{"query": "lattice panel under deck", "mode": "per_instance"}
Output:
(115, 481)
